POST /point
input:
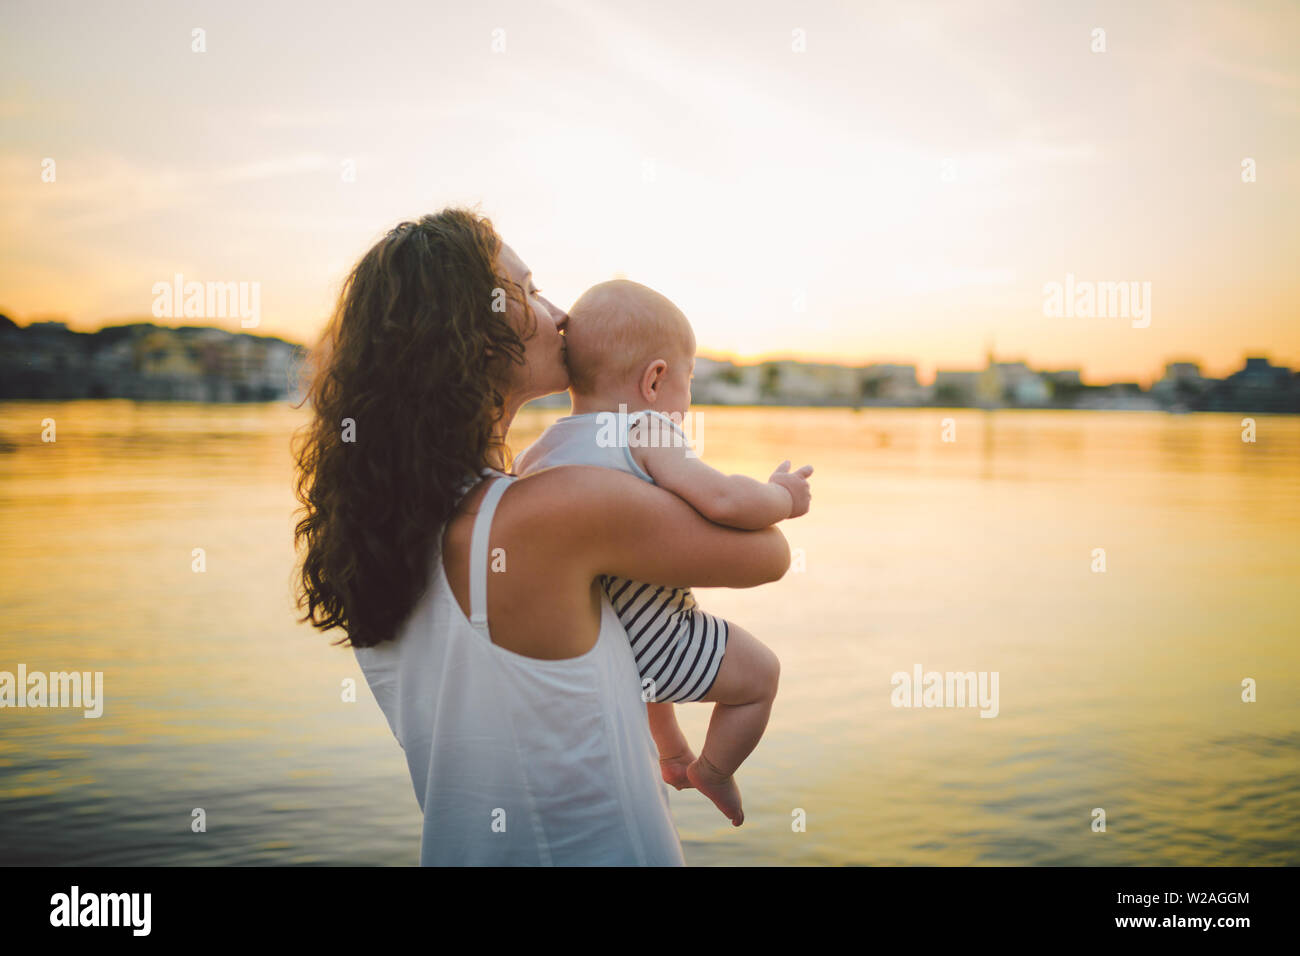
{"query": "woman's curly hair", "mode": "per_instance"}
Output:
(405, 389)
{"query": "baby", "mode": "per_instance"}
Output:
(631, 355)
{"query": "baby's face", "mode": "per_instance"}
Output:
(675, 392)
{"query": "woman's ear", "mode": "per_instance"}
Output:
(652, 378)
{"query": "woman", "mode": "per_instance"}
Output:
(471, 598)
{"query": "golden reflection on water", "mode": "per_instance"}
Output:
(1119, 690)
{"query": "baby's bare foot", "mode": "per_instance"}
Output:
(674, 770)
(719, 787)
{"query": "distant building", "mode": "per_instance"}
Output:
(1012, 383)
(1259, 387)
(789, 382)
(1064, 379)
(1182, 386)
(1260, 373)
(1063, 386)
(1183, 371)
(890, 384)
(1119, 396)
(145, 361)
(723, 383)
(957, 388)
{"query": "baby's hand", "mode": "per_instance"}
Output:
(795, 482)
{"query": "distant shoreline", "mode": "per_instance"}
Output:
(144, 361)
(536, 407)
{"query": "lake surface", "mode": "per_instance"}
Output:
(1119, 690)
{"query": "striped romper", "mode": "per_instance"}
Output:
(677, 646)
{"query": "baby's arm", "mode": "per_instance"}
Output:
(736, 501)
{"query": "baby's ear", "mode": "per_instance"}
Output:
(652, 378)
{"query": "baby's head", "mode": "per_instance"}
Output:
(628, 344)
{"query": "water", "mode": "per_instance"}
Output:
(1119, 690)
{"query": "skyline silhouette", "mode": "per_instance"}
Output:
(149, 361)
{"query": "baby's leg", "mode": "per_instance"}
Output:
(743, 692)
(675, 753)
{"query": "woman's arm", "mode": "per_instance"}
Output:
(615, 523)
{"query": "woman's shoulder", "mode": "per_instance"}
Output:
(549, 499)
(554, 493)
(567, 505)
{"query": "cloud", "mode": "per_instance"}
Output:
(1259, 76)
(271, 168)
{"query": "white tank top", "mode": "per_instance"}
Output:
(605, 439)
(515, 760)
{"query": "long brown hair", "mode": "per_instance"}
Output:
(405, 388)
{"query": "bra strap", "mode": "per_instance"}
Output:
(478, 552)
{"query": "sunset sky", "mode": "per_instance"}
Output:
(688, 146)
